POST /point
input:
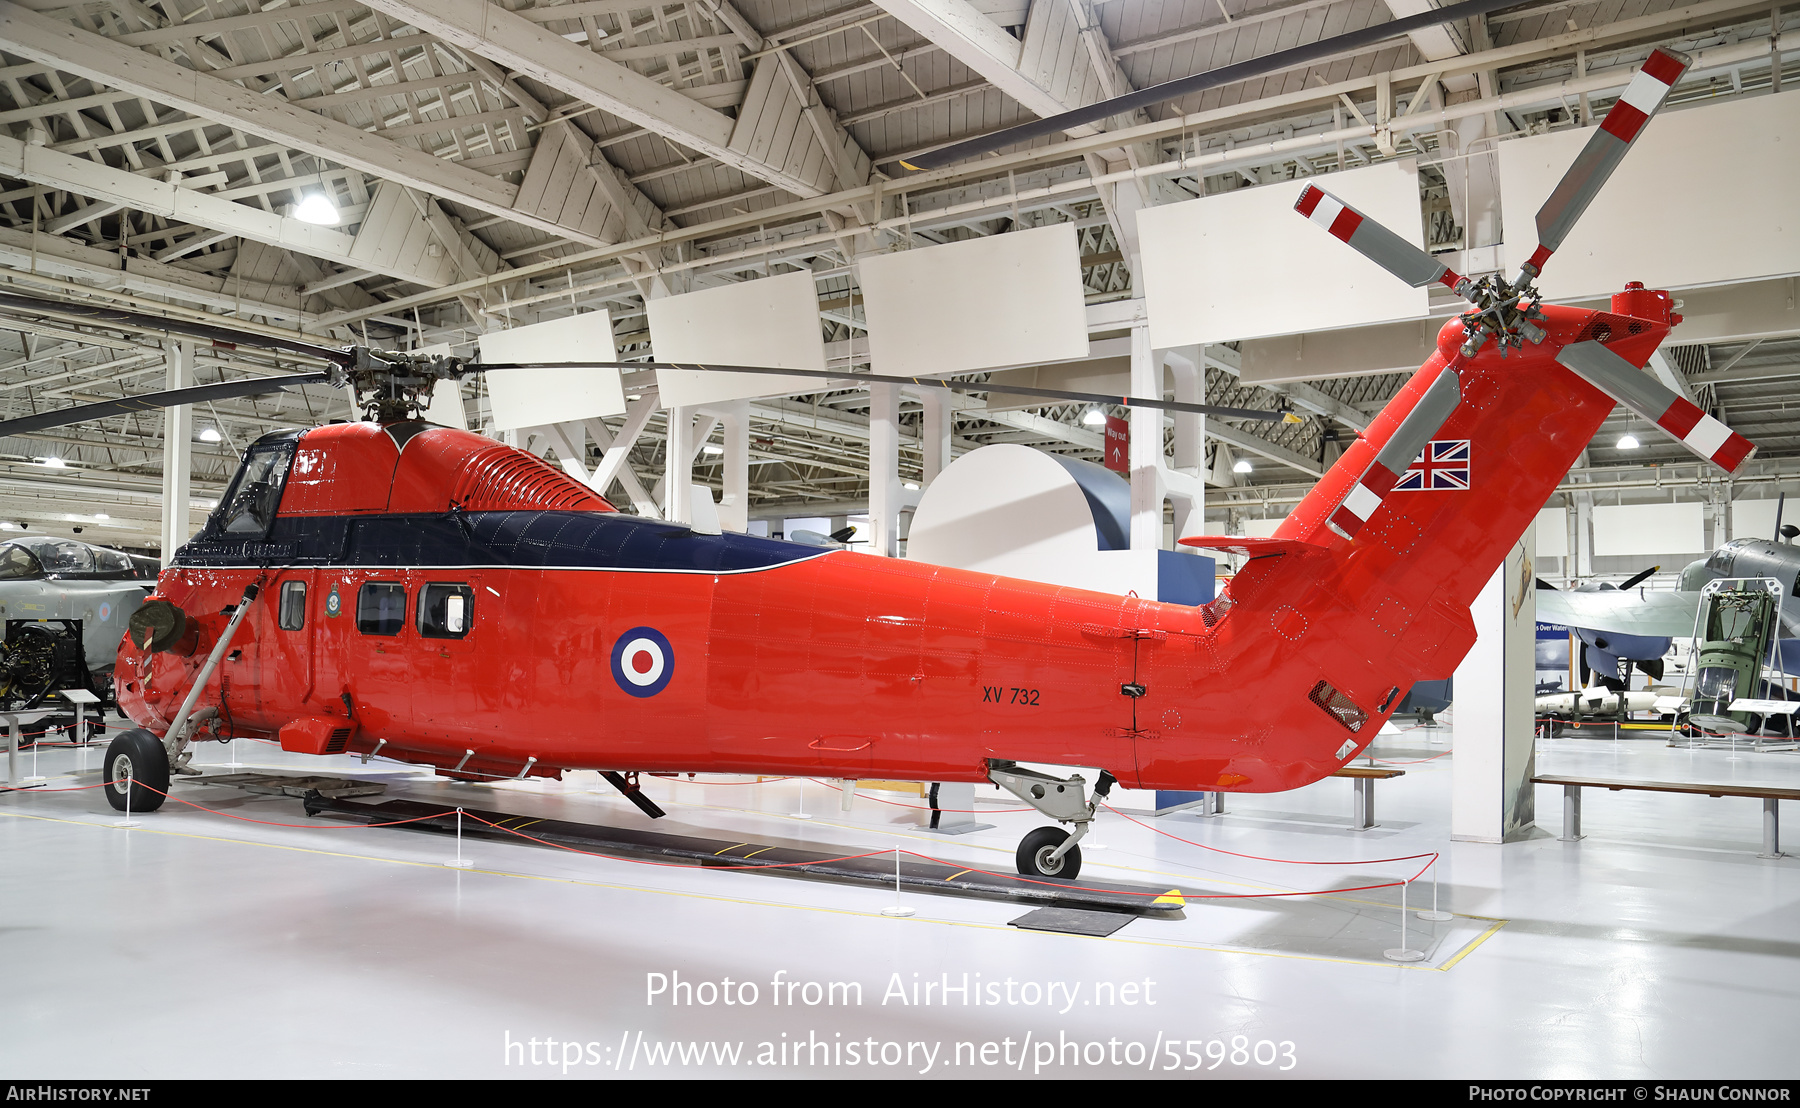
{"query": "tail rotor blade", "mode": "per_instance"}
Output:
(1603, 152)
(1680, 418)
(1375, 242)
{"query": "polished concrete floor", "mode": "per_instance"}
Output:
(201, 944)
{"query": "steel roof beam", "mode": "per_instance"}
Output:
(529, 50)
(107, 62)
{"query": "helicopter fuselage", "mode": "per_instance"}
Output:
(462, 604)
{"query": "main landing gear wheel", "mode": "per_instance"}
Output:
(136, 761)
(1035, 850)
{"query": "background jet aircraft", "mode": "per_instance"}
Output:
(42, 577)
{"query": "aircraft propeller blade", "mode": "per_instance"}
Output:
(225, 336)
(1262, 414)
(1602, 154)
(1408, 441)
(197, 394)
(1377, 243)
(1199, 82)
(1637, 578)
(1680, 418)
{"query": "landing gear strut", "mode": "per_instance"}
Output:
(1051, 851)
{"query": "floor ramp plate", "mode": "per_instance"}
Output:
(770, 858)
(279, 784)
(1071, 921)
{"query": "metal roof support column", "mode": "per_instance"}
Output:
(935, 442)
(884, 468)
(678, 467)
(178, 452)
(1146, 453)
(734, 506)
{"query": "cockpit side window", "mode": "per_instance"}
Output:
(16, 562)
(111, 563)
(249, 508)
(67, 559)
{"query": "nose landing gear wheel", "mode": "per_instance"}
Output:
(134, 760)
(1035, 850)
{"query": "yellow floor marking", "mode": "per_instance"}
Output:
(733, 846)
(959, 873)
(1478, 940)
(754, 853)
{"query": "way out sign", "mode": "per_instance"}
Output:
(1118, 445)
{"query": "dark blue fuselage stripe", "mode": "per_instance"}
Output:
(525, 539)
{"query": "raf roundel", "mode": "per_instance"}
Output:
(643, 661)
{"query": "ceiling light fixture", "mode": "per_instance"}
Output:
(210, 434)
(1628, 441)
(316, 207)
(1094, 418)
(1242, 466)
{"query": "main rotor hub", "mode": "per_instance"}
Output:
(1507, 313)
(392, 386)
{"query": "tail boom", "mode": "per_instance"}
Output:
(1314, 647)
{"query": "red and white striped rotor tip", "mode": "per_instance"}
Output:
(1361, 501)
(1375, 242)
(1624, 121)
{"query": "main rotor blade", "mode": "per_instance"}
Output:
(1199, 82)
(197, 394)
(925, 382)
(119, 317)
(1603, 152)
(1375, 242)
(1680, 418)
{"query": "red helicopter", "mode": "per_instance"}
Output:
(434, 596)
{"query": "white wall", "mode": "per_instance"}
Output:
(1245, 264)
(1664, 218)
(1004, 300)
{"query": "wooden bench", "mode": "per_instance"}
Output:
(1768, 794)
(1362, 815)
(1363, 807)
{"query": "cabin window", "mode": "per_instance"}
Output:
(293, 606)
(249, 508)
(445, 610)
(381, 608)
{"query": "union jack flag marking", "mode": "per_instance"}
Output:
(1442, 465)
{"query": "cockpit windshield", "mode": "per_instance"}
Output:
(47, 556)
(249, 508)
(16, 562)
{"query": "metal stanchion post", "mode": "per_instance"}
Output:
(1404, 953)
(895, 909)
(1434, 915)
(459, 862)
